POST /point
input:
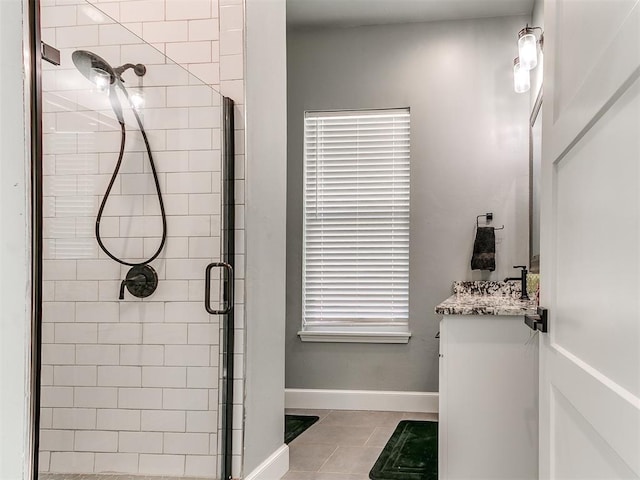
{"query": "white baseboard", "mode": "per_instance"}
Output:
(424, 402)
(274, 467)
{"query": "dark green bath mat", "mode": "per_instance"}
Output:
(294, 425)
(410, 454)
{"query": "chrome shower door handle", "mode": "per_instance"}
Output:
(227, 292)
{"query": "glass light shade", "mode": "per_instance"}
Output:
(528, 51)
(521, 80)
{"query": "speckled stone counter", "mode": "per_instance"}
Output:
(486, 298)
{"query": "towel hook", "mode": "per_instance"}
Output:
(489, 219)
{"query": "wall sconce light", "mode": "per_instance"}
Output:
(521, 79)
(527, 58)
(528, 46)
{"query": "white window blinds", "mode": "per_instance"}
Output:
(356, 221)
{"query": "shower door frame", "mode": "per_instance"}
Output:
(36, 268)
(228, 256)
(33, 434)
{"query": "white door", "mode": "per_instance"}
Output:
(590, 358)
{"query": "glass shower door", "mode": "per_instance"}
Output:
(131, 371)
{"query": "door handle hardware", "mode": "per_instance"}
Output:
(539, 321)
(228, 290)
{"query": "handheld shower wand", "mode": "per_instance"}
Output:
(142, 279)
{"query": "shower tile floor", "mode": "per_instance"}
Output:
(343, 444)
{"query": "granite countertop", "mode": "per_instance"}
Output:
(486, 298)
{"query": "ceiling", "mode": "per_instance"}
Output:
(344, 13)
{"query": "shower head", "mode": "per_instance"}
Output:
(95, 68)
(98, 71)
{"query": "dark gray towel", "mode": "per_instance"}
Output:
(484, 250)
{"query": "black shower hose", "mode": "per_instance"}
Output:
(112, 181)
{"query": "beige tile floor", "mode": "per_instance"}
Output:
(98, 476)
(343, 444)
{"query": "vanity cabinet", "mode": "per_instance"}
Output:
(488, 400)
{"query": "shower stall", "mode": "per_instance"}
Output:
(134, 228)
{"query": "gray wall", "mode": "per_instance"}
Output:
(265, 229)
(469, 138)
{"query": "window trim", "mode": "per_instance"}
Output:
(384, 332)
(354, 337)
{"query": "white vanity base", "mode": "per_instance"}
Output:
(488, 424)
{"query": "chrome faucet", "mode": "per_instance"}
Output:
(523, 280)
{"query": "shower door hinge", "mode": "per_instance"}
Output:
(50, 54)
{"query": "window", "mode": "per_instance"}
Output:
(356, 226)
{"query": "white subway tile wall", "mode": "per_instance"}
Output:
(132, 386)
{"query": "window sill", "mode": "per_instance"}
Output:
(355, 337)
